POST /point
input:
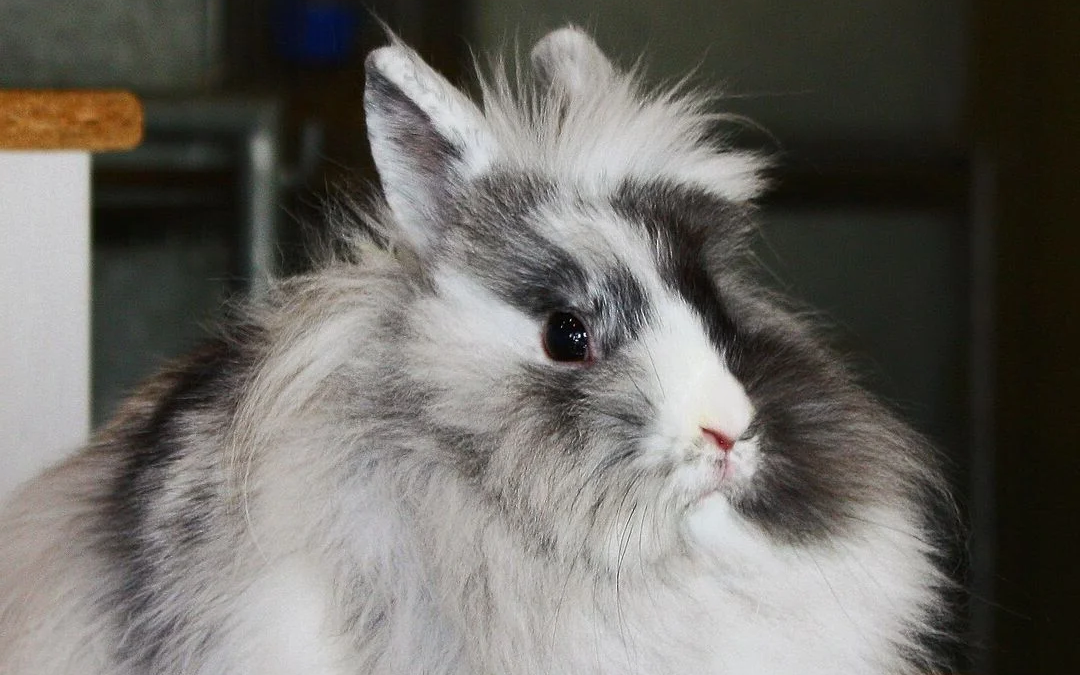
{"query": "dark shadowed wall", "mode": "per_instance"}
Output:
(1027, 114)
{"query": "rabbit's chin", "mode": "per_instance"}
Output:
(722, 535)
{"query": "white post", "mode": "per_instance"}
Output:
(44, 310)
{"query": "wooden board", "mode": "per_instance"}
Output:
(70, 120)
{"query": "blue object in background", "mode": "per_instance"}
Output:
(315, 32)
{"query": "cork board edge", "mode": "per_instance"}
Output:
(95, 121)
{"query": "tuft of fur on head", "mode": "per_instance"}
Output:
(584, 120)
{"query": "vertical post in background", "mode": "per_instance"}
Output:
(44, 309)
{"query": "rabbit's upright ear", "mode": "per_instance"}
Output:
(568, 59)
(425, 135)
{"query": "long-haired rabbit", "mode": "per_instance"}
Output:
(536, 417)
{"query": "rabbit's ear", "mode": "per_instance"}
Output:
(426, 137)
(568, 58)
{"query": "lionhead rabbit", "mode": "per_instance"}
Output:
(538, 419)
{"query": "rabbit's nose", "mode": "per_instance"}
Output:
(719, 439)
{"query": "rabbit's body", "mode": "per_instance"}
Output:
(550, 427)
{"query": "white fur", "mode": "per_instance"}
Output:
(593, 128)
(48, 576)
(284, 624)
(597, 127)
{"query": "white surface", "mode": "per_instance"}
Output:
(44, 310)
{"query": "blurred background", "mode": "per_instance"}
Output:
(925, 200)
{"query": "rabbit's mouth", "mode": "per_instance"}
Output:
(707, 473)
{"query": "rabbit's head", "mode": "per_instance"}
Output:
(588, 346)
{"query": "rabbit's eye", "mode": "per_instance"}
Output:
(565, 338)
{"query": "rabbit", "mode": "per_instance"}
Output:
(536, 415)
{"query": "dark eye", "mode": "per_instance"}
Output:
(565, 338)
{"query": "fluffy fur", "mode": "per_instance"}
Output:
(381, 469)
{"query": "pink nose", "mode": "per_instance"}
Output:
(719, 438)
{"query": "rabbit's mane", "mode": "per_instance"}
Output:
(612, 129)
